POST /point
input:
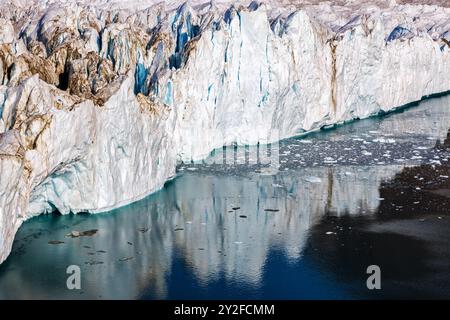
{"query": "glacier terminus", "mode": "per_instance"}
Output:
(99, 100)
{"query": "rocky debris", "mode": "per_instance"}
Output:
(125, 259)
(76, 234)
(55, 242)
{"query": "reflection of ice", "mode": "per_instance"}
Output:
(215, 241)
(301, 203)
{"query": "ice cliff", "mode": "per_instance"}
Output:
(98, 100)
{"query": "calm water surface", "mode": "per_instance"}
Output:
(375, 191)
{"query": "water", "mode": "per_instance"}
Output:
(375, 191)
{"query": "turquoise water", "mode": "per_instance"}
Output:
(371, 192)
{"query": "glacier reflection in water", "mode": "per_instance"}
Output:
(232, 232)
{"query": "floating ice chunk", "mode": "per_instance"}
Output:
(366, 153)
(384, 140)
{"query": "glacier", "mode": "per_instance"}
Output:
(99, 100)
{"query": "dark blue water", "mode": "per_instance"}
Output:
(375, 191)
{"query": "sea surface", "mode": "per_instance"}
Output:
(307, 225)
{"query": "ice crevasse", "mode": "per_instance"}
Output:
(99, 100)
